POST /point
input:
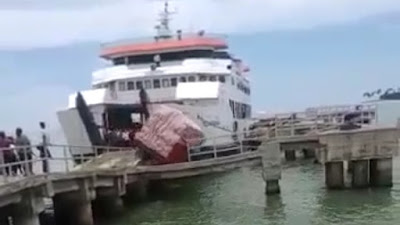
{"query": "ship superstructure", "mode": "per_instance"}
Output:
(193, 72)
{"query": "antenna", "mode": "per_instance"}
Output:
(163, 30)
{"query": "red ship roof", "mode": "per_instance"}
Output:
(162, 46)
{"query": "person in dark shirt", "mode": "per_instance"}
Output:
(24, 151)
(6, 152)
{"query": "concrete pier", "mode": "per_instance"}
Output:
(271, 162)
(368, 151)
(381, 171)
(76, 192)
(334, 175)
(360, 173)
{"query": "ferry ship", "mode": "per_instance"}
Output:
(192, 72)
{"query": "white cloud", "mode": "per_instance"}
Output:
(53, 23)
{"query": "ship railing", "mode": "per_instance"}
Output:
(224, 145)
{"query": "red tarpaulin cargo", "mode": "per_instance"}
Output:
(167, 133)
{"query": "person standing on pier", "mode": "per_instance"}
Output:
(24, 151)
(44, 148)
(6, 152)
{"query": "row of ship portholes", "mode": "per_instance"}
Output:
(167, 82)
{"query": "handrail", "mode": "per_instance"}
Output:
(23, 162)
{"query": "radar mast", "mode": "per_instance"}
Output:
(163, 29)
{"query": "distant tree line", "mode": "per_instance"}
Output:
(388, 94)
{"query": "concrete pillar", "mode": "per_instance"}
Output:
(381, 172)
(74, 207)
(308, 153)
(108, 203)
(272, 187)
(26, 212)
(26, 218)
(271, 162)
(136, 192)
(334, 175)
(71, 208)
(290, 155)
(360, 172)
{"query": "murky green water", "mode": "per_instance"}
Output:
(238, 197)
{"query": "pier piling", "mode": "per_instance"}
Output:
(27, 211)
(271, 161)
(334, 175)
(290, 155)
(108, 203)
(381, 171)
(74, 207)
(136, 192)
(360, 173)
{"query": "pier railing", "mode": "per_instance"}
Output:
(293, 127)
(24, 161)
(18, 162)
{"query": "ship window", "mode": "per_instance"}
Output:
(192, 79)
(119, 61)
(182, 79)
(221, 55)
(165, 83)
(147, 84)
(121, 86)
(213, 78)
(156, 83)
(174, 82)
(111, 85)
(202, 78)
(139, 85)
(131, 85)
(221, 78)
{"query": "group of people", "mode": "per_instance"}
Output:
(16, 154)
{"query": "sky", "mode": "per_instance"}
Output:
(301, 52)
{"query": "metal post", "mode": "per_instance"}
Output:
(292, 127)
(9, 168)
(81, 157)
(96, 151)
(188, 152)
(215, 148)
(26, 161)
(66, 159)
(241, 146)
(2, 162)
